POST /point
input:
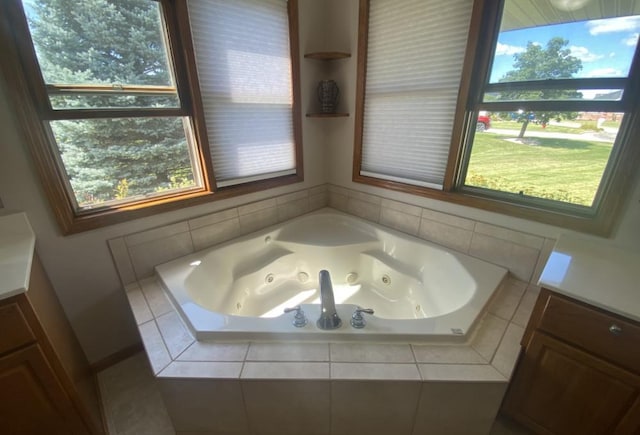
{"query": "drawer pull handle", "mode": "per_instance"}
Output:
(615, 329)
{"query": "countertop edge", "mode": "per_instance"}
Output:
(601, 275)
(17, 248)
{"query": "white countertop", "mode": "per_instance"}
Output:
(17, 242)
(595, 273)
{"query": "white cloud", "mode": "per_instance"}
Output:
(508, 50)
(610, 25)
(584, 54)
(631, 40)
(603, 72)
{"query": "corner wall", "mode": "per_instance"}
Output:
(80, 266)
(343, 30)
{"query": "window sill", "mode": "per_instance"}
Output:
(94, 219)
(327, 115)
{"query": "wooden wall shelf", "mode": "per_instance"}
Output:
(327, 55)
(327, 115)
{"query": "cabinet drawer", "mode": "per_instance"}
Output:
(15, 329)
(602, 334)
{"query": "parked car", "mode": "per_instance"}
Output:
(484, 123)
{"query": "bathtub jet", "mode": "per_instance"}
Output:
(419, 291)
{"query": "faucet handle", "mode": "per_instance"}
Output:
(357, 320)
(299, 320)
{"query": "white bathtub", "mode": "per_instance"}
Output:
(419, 291)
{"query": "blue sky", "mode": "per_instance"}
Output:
(605, 46)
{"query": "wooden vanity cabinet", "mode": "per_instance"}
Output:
(46, 385)
(578, 371)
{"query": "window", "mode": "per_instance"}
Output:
(112, 108)
(558, 90)
(411, 88)
(124, 121)
(544, 118)
(246, 86)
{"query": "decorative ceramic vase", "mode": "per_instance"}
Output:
(328, 96)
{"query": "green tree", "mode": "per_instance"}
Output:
(554, 61)
(110, 42)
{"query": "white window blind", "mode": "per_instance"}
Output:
(244, 70)
(414, 64)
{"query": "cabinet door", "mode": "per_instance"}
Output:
(558, 389)
(630, 424)
(32, 399)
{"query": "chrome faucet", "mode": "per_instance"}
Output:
(328, 316)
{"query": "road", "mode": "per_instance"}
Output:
(608, 134)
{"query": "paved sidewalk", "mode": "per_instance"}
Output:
(607, 135)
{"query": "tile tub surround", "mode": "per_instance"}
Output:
(335, 388)
(522, 253)
(475, 373)
(133, 404)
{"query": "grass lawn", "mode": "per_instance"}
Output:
(613, 124)
(560, 169)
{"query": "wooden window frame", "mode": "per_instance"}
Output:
(28, 94)
(483, 30)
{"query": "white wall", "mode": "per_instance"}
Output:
(80, 266)
(340, 146)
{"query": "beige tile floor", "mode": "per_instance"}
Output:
(133, 405)
(131, 400)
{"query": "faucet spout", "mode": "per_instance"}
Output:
(328, 316)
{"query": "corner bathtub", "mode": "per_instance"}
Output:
(419, 291)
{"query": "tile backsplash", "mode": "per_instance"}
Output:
(135, 255)
(523, 254)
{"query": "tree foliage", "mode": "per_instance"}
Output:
(554, 61)
(110, 42)
(551, 62)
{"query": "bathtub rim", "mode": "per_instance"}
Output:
(204, 324)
